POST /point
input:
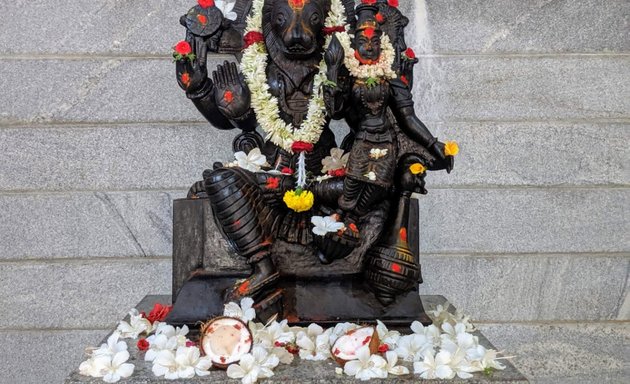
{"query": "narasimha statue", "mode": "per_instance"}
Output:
(294, 196)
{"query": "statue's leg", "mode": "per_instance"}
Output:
(360, 197)
(247, 222)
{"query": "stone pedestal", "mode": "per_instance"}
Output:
(300, 372)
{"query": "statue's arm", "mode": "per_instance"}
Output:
(401, 104)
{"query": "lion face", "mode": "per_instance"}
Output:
(297, 24)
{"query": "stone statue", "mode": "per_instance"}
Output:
(293, 197)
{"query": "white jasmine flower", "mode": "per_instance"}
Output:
(111, 347)
(482, 358)
(460, 365)
(185, 363)
(366, 366)
(137, 324)
(266, 361)
(253, 161)
(434, 367)
(451, 332)
(386, 336)
(274, 332)
(247, 370)
(371, 175)
(284, 356)
(413, 347)
(339, 371)
(441, 316)
(244, 311)
(377, 153)
(158, 344)
(115, 367)
(93, 366)
(392, 360)
(226, 7)
(314, 343)
(324, 225)
(336, 160)
(431, 332)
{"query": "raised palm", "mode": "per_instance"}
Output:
(232, 96)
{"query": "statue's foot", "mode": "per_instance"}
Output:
(260, 282)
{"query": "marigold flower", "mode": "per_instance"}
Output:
(299, 202)
(451, 148)
(417, 168)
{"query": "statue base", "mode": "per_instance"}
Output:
(300, 371)
(326, 302)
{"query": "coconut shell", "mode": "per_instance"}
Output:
(375, 342)
(203, 331)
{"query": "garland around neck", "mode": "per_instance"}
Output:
(265, 105)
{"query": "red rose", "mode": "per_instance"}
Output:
(410, 53)
(143, 344)
(183, 48)
(273, 183)
(287, 171)
(383, 348)
(380, 18)
(301, 146)
(341, 172)
(252, 37)
(206, 3)
(392, 3)
(159, 312)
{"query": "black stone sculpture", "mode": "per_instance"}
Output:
(368, 269)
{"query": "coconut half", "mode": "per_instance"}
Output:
(346, 347)
(225, 340)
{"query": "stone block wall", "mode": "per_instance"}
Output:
(529, 234)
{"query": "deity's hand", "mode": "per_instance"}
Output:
(232, 95)
(444, 161)
(192, 75)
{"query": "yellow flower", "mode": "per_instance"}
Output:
(451, 148)
(299, 202)
(417, 168)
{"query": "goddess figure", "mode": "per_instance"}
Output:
(364, 89)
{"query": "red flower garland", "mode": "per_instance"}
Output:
(143, 344)
(331, 30)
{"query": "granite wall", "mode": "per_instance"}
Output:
(529, 234)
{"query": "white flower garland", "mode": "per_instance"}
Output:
(265, 105)
(381, 69)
